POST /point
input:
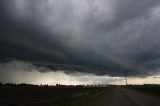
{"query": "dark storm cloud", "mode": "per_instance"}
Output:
(93, 36)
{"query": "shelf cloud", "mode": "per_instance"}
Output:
(99, 37)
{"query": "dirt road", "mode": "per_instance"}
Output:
(125, 97)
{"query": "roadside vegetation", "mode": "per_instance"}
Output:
(44, 95)
(151, 89)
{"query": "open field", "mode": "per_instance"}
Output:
(149, 89)
(148, 95)
(47, 96)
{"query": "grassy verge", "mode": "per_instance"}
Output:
(149, 89)
(78, 99)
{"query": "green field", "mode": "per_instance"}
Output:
(48, 96)
(149, 89)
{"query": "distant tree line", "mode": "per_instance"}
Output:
(57, 85)
(13, 84)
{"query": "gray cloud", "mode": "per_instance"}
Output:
(95, 36)
(17, 72)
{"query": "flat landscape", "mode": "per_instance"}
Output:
(79, 52)
(79, 96)
(47, 96)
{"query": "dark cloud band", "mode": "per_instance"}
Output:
(100, 36)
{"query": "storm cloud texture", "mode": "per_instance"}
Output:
(101, 37)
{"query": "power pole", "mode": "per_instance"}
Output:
(125, 73)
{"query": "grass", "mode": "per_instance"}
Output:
(149, 89)
(49, 96)
(77, 99)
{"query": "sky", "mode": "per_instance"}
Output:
(79, 41)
